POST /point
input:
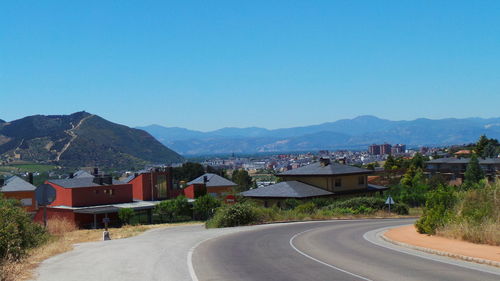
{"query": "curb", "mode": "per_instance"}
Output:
(442, 253)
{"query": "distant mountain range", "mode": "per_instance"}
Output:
(80, 139)
(357, 133)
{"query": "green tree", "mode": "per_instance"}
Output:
(490, 151)
(125, 215)
(390, 163)
(418, 161)
(473, 174)
(173, 210)
(18, 232)
(481, 144)
(205, 206)
(438, 210)
(242, 179)
(188, 171)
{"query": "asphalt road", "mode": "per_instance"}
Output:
(335, 250)
(332, 250)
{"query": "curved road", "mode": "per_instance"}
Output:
(333, 250)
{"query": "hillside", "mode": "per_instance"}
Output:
(80, 139)
(355, 133)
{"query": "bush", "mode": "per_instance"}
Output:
(234, 215)
(477, 216)
(438, 210)
(306, 208)
(356, 202)
(174, 210)
(125, 215)
(291, 203)
(322, 202)
(400, 209)
(18, 232)
(204, 207)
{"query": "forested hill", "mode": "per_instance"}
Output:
(81, 139)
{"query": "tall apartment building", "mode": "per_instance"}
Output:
(385, 149)
(374, 149)
(398, 149)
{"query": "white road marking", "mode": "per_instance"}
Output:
(322, 262)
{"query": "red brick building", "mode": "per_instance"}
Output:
(87, 199)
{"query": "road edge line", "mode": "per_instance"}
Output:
(319, 261)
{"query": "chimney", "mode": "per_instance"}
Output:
(97, 180)
(205, 179)
(71, 175)
(96, 171)
(323, 162)
(30, 178)
(107, 179)
(2, 181)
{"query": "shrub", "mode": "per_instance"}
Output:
(306, 208)
(174, 210)
(125, 215)
(400, 208)
(438, 210)
(291, 203)
(477, 216)
(364, 210)
(234, 215)
(18, 232)
(342, 211)
(356, 202)
(322, 202)
(204, 207)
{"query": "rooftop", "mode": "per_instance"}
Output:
(213, 180)
(287, 189)
(80, 182)
(320, 169)
(452, 160)
(16, 183)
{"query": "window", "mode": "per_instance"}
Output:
(338, 182)
(26, 202)
(361, 180)
(111, 192)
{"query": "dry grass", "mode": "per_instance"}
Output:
(65, 235)
(484, 233)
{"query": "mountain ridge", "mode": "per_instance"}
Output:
(355, 133)
(80, 139)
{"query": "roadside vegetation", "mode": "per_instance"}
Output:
(471, 211)
(249, 213)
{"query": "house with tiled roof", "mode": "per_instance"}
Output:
(17, 188)
(209, 183)
(453, 169)
(320, 179)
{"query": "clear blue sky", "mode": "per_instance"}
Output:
(211, 64)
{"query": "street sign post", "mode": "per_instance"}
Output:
(45, 194)
(389, 202)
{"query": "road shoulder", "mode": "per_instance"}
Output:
(407, 236)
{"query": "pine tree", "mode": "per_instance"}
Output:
(473, 173)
